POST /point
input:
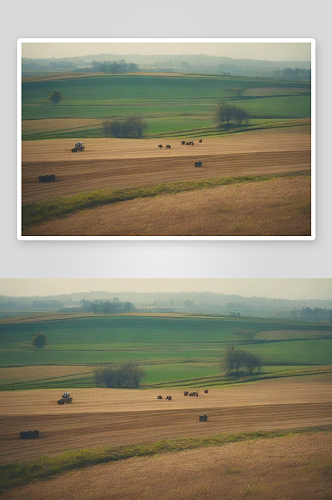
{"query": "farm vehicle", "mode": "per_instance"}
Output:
(78, 147)
(46, 178)
(29, 434)
(203, 418)
(65, 399)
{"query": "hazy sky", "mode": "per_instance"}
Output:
(264, 51)
(303, 289)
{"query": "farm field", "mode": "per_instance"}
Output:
(170, 103)
(242, 209)
(264, 468)
(101, 417)
(170, 348)
(135, 419)
(123, 163)
(140, 165)
(175, 107)
(289, 400)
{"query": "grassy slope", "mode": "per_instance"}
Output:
(38, 212)
(169, 103)
(19, 474)
(171, 349)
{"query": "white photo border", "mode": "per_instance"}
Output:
(310, 41)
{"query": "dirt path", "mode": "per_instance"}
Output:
(101, 417)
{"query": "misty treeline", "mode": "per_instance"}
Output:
(79, 64)
(114, 67)
(236, 361)
(315, 314)
(296, 74)
(198, 63)
(134, 126)
(107, 307)
(228, 114)
(247, 335)
(128, 375)
(314, 310)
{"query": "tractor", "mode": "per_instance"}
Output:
(65, 399)
(78, 147)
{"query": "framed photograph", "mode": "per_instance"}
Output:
(166, 139)
(191, 388)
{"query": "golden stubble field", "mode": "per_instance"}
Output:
(278, 207)
(118, 163)
(290, 468)
(112, 417)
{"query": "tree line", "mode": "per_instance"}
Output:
(133, 126)
(114, 67)
(128, 375)
(107, 307)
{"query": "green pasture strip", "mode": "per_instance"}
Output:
(171, 382)
(168, 127)
(17, 474)
(305, 352)
(148, 86)
(221, 380)
(278, 107)
(36, 213)
(144, 333)
(267, 107)
(64, 383)
(151, 96)
(255, 124)
(45, 380)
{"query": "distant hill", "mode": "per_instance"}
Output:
(197, 63)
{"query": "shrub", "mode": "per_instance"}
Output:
(39, 340)
(55, 96)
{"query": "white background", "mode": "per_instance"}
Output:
(177, 19)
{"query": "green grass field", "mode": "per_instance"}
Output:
(171, 349)
(170, 104)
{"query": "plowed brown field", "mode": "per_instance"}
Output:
(118, 163)
(101, 417)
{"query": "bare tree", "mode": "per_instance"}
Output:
(133, 126)
(225, 113)
(129, 374)
(235, 359)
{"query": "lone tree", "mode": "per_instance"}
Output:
(55, 96)
(227, 113)
(39, 340)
